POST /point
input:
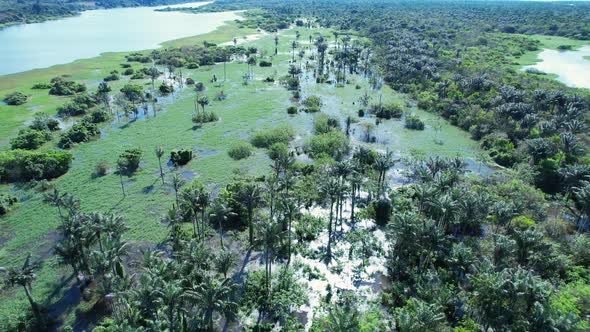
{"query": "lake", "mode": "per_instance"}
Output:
(40, 45)
(570, 66)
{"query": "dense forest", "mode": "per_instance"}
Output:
(32, 11)
(339, 244)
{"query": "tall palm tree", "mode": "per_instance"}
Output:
(191, 198)
(249, 195)
(203, 201)
(224, 262)
(213, 297)
(293, 47)
(177, 181)
(276, 44)
(203, 101)
(160, 153)
(383, 163)
(330, 191)
(54, 198)
(24, 276)
(221, 212)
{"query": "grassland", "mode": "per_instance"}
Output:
(30, 227)
(550, 42)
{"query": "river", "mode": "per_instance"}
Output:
(41, 45)
(570, 67)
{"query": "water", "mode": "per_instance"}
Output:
(40, 45)
(570, 66)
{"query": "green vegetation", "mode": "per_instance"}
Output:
(15, 98)
(319, 231)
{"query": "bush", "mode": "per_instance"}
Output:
(192, 65)
(389, 111)
(24, 165)
(333, 144)
(312, 104)
(189, 81)
(413, 122)
(361, 113)
(382, 211)
(165, 88)
(41, 86)
(138, 76)
(80, 132)
(264, 63)
(269, 80)
(128, 72)
(99, 115)
(15, 98)
(292, 110)
(181, 157)
(77, 106)
(277, 150)
(62, 87)
(199, 86)
(204, 117)
(129, 160)
(102, 168)
(264, 139)
(324, 124)
(240, 150)
(43, 121)
(30, 139)
(6, 201)
(308, 228)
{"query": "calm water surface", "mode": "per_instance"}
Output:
(570, 66)
(30, 46)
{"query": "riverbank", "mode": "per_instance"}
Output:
(547, 42)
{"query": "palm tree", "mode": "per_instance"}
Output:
(55, 199)
(330, 191)
(203, 201)
(293, 47)
(249, 195)
(224, 262)
(24, 276)
(177, 181)
(221, 212)
(290, 207)
(121, 169)
(203, 101)
(213, 297)
(251, 64)
(160, 153)
(191, 198)
(383, 163)
(342, 318)
(276, 44)
(171, 296)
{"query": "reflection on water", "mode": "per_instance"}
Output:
(40, 45)
(570, 66)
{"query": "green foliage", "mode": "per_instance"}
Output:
(181, 157)
(389, 111)
(129, 160)
(23, 165)
(333, 144)
(292, 110)
(324, 124)
(308, 227)
(312, 104)
(79, 105)
(204, 117)
(15, 98)
(30, 139)
(165, 89)
(414, 122)
(80, 132)
(266, 138)
(240, 150)
(62, 87)
(382, 210)
(42, 121)
(6, 201)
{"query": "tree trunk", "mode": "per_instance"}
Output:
(161, 171)
(34, 307)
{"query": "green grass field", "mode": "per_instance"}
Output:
(550, 42)
(30, 227)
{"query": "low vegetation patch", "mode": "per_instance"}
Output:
(266, 138)
(181, 157)
(414, 122)
(15, 98)
(24, 165)
(240, 150)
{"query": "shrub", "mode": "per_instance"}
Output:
(324, 124)
(62, 87)
(77, 106)
(15, 98)
(500, 149)
(199, 86)
(413, 122)
(189, 81)
(269, 80)
(80, 132)
(382, 211)
(165, 88)
(138, 76)
(24, 165)
(264, 139)
(361, 113)
(277, 150)
(264, 63)
(128, 72)
(6, 201)
(129, 160)
(308, 228)
(41, 86)
(181, 157)
(30, 139)
(204, 117)
(98, 116)
(102, 168)
(292, 110)
(333, 144)
(240, 150)
(43, 121)
(111, 77)
(292, 83)
(389, 111)
(312, 104)
(192, 65)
